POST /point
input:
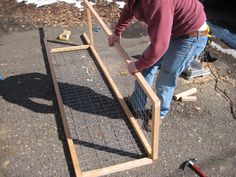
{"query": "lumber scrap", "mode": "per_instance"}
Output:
(188, 98)
(185, 93)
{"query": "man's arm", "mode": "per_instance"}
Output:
(126, 17)
(159, 30)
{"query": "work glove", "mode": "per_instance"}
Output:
(112, 39)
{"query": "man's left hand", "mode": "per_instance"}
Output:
(132, 68)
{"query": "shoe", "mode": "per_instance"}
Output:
(148, 126)
(127, 101)
(145, 115)
(142, 114)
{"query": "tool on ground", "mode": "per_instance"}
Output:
(65, 35)
(1, 78)
(196, 68)
(192, 165)
(185, 96)
(96, 28)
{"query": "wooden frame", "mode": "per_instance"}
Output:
(152, 150)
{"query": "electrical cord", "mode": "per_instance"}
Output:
(219, 90)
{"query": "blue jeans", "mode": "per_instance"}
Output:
(178, 57)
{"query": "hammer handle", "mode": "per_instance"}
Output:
(198, 171)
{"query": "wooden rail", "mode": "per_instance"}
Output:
(143, 83)
(67, 49)
(69, 140)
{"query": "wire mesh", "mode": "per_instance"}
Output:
(141, 105)
(101, 131)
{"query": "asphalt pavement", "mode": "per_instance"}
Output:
(32, 141)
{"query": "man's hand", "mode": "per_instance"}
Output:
(132, 68)
(112, 39)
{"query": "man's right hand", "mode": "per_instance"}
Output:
(112, 39)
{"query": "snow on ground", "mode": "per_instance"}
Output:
(223, 34)
(226, 51)
(77, 3)
(226, 36)
(40, 3)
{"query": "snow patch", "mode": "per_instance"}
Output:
(40, 3)
(120, 4)
(77, 3)
(226, 51)
(223, 34)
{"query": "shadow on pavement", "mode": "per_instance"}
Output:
(26, 89)
(135, 30)
(34, 91)
(23, 89)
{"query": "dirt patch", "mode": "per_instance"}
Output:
(19, 16)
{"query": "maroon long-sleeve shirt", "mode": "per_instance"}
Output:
(165, 19)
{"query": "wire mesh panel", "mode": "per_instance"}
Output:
(101, 131)
(147, 117)
(140, 106)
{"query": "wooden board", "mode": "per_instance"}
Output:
(185, 93)
(70, 143)
(188, 98)
(117, 168)
(67, 49)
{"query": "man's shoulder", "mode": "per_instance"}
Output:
(160, 3)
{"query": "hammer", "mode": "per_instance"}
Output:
(191, 164)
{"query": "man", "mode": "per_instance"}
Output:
(178, 33)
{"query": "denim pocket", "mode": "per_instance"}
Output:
(181, 53)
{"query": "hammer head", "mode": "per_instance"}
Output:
(190, 162)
